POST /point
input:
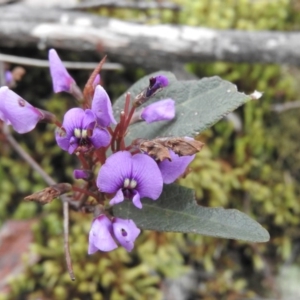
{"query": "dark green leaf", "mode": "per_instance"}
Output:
(177, 210)
(199, 105)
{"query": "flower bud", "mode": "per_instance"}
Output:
(83, 174)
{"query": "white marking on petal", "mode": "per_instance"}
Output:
(133, 184)
(77, 133)
(84, 134)
(126, 183)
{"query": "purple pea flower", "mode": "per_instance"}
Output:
(104, 232)
(130, 176)
(80, 132)
(163, 110)
(156, 83)
(125, 232)
(61, 79)
(100, 237)
(171, 170)
(102, 108)
(17, 112)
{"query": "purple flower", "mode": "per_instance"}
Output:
(61, 79)
(100, 237)
(79, 131)
(156, 83)
(102, 108)
(163, 110)
(130, 176)
(83, 174)
(96, 80)
(9, 77)
(171, 170)
(125, 232)
(17, 112)
(104, 232)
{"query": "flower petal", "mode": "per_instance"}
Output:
(171, 170)
(89, 120)
(118, 198)
(136, 200)
(9, 77)
(100, 138)
(73, 145)
(61, 79)
(161, 81)
(17, 112)
(96, 80)
(156, 83)
(147, 175)
(62, 139)
(73, 119)
(101, 106)
(126, 232)
(163, 110)
(114, 171)
(100, 236)
(83, 174)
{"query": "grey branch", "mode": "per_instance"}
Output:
(45, 64)
(150, 46)
(140, 5)
(279, 108)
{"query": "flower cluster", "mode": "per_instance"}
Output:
(104, 232)
(88, 131)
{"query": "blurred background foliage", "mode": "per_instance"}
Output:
(253, 167)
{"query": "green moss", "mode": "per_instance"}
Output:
(255, 169)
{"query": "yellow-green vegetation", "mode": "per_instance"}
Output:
(254, 169)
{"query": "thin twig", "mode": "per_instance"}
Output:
(64, 199)
(3, 2)
(66, 239)
(279, 108)
(34, 165)
(68, 64)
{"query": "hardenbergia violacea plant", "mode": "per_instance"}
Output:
(131, 154)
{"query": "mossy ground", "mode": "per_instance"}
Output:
(254, 169)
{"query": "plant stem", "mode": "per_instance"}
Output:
(35, 166)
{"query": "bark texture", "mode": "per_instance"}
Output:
(151, 46)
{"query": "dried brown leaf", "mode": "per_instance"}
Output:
(181, 145)
(155, 150)
(159, 148)
(49, 193)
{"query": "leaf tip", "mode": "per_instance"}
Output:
(265, 236)
(256, 95)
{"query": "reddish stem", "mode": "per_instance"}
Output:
(58, 124)
(100, 155)
(114, 136)
(83, 191)
(88, 91)
(84, 163)
(110, 131)
(130, 116)
(127, 103)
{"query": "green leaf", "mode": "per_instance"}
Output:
(199, 105)
(176, 210)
